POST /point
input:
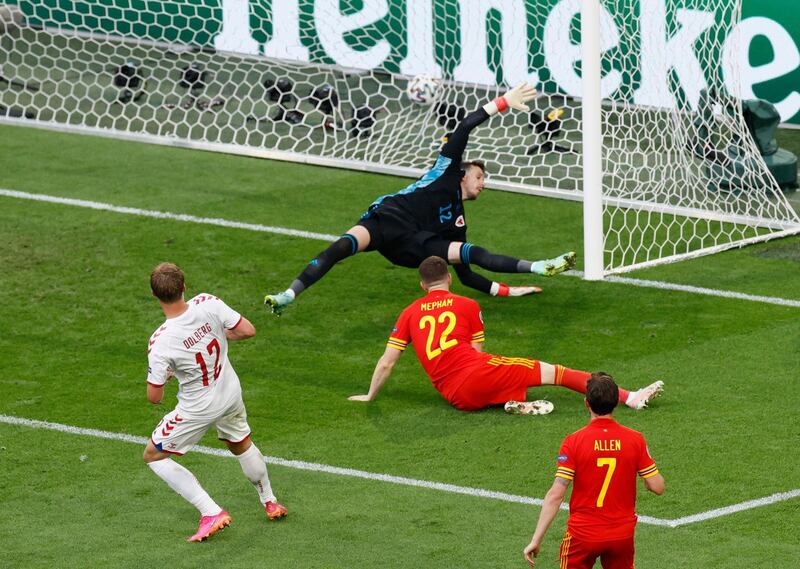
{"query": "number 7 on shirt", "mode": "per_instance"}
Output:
(612, 465)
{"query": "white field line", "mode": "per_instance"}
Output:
(369, 475)
(401, 480)
(695, 290)
(326, 237)
(166, 215)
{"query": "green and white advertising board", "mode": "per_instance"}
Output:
(659, 51)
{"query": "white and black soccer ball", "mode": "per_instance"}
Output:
(422, 89)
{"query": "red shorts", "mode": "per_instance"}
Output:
(495, 381)
(578, 554)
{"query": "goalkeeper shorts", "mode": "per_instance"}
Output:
(400, 241)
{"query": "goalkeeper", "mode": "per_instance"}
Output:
(427, 218)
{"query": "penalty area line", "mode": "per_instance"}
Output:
(327, 237)
(400, 480)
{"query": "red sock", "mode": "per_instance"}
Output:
(572, 378)
(576, 381)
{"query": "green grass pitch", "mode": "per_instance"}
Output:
(77, 314)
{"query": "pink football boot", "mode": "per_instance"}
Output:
(209, 525)
(274, 510)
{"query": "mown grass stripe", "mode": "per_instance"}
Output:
(327, 237)
(402, 480)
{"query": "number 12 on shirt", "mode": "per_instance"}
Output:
(213, 346)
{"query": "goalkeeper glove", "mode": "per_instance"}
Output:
(515, 98)
(502, 289)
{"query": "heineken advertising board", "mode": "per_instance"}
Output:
(472, 41)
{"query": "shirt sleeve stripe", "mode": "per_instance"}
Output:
(565, 475)
(567, 469)
(397, 344)
(651, 470)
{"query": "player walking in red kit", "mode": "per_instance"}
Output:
(447, 333)
(603, 460)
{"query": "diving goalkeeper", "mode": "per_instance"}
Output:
(427, 218)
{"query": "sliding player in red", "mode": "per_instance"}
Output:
(447, 333)
(427, 218)
(603, 459)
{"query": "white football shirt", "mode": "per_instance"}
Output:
(194, 346)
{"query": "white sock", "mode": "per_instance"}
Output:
(184, 483)
(290, 292)
(255, 469)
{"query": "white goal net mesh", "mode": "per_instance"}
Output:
(324, 81)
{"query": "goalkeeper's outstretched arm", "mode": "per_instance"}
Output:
(515, 99)
(473, 280)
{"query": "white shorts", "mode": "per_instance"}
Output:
(177, 433)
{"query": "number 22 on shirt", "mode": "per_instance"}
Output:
(446, 319)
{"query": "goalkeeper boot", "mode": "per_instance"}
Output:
(209, 525)
(640, 398)
(275, 511)
(540, 407)
(550, 267)
(278, 302)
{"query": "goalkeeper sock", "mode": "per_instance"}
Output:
(296, 288)
(342, 248)
(525, 267)
(255, 469)
(184, 483)
(472, 254)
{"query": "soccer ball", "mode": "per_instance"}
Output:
(422, 89)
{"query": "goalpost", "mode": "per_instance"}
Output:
(714, 191)
(638, 116)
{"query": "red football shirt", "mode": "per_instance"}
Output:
(603, 460)
(442, 327)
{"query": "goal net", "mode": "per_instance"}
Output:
(324, 82)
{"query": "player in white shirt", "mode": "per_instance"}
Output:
(192, 346)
